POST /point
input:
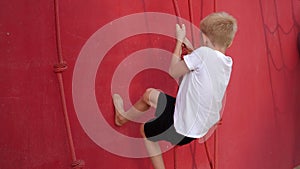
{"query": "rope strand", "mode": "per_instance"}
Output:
(59, 68)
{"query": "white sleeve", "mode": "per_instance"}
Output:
(195, 59)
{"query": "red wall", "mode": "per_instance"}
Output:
(260, 122)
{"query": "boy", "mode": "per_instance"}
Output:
(206, 73)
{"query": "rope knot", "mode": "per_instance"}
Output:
(78, 164)
(60, 67)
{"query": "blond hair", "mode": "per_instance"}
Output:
(220, 28)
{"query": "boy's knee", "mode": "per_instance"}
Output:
(146, 96)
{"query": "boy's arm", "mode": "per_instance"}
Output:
(178, 67)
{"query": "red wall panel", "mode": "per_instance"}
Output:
(260, 122)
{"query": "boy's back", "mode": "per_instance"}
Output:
(199, 98)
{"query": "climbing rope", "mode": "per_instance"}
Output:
(212, 163)
(59, 68)
(177, 11)
(191, 14)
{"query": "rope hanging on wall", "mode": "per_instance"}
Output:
(212, 163)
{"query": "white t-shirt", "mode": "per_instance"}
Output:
(199, 99)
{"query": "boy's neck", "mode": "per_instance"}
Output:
(208, 43)
(222, 50)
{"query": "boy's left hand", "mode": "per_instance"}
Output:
(180, 32)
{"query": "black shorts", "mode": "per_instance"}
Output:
(162, 126)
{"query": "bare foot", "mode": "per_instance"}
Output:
(119, 109)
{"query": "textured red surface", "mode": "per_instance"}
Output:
(261, 120)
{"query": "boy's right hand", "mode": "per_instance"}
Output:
(188, 44)
(180, 32)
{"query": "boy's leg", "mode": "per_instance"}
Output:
(149, 99)
(154, 151)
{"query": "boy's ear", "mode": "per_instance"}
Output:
(204, 39)
(229, 44)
